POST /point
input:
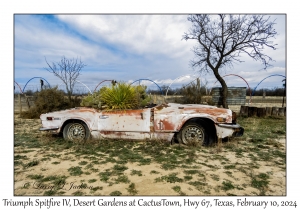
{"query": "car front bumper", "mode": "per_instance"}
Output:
(238, 132)
(237, 129)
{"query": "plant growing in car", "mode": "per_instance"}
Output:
(119, 96)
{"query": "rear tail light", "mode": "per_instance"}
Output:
(52, 118)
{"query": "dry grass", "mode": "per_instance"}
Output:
(254, 164)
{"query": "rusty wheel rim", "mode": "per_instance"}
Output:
(193, 134)
(76, 132)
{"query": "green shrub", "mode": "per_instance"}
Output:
(48, 100)
(143, 97)
(118, 97)
(93, 100)
(121, 96)
(192, 94)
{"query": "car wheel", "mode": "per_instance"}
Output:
(192, 133)
(76, 132)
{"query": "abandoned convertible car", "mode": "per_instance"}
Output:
(186, 123)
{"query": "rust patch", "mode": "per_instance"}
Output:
(161, 106)
(151, 129)
(136, 113)
(168, 125)
(106, 132)
(112, 132)
(128, 124)
(211, 111)
(83, 109)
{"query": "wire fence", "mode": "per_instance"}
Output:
(153, 89)
(78, 89)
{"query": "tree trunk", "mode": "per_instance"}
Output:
(70, 98)
(224, 96)
(224, 90)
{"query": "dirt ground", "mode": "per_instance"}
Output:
(214, 173)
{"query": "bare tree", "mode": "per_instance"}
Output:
(223, 39)
(68, 71)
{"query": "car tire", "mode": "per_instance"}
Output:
(193, 133)
(76, 132)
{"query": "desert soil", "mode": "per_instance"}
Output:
(61, 161)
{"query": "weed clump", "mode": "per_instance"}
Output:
(48, 100)
(131, 189)
(118, 97)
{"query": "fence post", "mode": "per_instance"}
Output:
(20, 105)
(281, 111)
(284, 111)
(252, 111)
(198, 97)
(275, 111)
(268, 111)
(28, 104)
(244, 111)
(154, 99)
(261, 111)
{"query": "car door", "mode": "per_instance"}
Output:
(125, 124)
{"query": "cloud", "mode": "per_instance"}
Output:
(124, 48)
(139, 34)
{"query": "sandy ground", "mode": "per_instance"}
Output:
(58, 163)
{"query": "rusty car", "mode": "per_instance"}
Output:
(170, 121)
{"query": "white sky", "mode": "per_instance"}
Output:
(16, 67)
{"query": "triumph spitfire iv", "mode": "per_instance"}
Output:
(186, 123)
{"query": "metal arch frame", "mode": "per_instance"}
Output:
(84, 85)
(106, 80)
(177, 79)
(150, 81)
(190, 83)
(242, 79)
(78, 82)
(264, 79)
(19, 87)
(32, 79)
